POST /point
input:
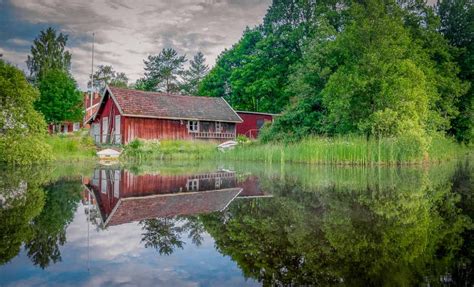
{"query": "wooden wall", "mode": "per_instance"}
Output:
(154, 129)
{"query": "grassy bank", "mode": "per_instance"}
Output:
(349, 150)
(72, 147)
(140, 150)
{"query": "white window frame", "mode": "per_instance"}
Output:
(105, 129)
(76, 127)
(192, 185)
(118, 122)
(192, 125)
(218, 127)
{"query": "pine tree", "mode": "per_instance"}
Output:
(163, 71)
(48, 52)
(194, 75)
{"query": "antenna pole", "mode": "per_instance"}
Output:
(92, 70)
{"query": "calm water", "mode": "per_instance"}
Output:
(218, 224)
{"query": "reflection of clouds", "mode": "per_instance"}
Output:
(127, 31)
(118, 258)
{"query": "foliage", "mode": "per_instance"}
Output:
(162, 71)
(140, 150)
(194, 75)
(21, 127)
(22, 200)
(60, 100)
(381, 232)
(49, 228)
(78, 146)
(106, 75)
(350, 150)
(48, 53)
(457, 25)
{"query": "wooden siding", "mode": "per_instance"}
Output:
(154, 129)
(249, 127)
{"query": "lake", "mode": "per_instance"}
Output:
(237, 224)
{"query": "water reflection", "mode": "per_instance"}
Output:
(123, 197)
(290, 225)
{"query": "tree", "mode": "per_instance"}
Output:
(194, 75)
(163, 71)
(48, 52)
(106, 75)
(60, 100)
(21, 127)
(457, 25)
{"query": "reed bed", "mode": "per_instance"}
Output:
(349, 150)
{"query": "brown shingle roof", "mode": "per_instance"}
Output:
(169, 106)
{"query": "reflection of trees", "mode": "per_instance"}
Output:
(50, 226)
(403, 228)
(22, 200)
(164, 234)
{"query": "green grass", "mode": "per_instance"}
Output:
(72, 147)
(349, 150)
(141, 150)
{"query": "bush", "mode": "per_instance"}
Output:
(24, 150)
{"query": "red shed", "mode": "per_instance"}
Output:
(126, 114)
(252, 123)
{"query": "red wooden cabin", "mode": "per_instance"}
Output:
(125, 114)
(252, 123)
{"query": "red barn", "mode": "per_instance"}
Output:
(252, 123)
(125, 114)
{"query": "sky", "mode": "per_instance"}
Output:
(126, 31)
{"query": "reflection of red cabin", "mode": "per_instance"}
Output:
(125, 114)
(252, 123)
(125, 197)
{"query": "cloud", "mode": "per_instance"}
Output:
(127, 31)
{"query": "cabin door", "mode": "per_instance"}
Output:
(105, 129)
(118, 139)
(96, 132)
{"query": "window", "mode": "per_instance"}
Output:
(218, 182)
(218, 127)
(193, 126)
(192, 185)
(76, 127)
(260, 123)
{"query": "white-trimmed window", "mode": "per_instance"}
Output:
(193, 184)
(218, 127)
(193, 126)
(76, 127)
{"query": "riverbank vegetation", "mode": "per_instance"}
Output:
(350, 150)
(142, 150)
(77, 146)
(396, 72)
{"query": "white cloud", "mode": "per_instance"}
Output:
(19, 42)
(128, 31)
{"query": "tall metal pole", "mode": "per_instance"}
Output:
(92, 70)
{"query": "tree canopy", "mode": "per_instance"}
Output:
(21, 126)
(106, 75)
(48, 52)
(378, 68)
(194, 75)
(59, 98)
(163, 71)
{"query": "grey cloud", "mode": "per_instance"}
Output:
(128, 31)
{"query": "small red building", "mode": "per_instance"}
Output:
(252, 123)
(125, 114)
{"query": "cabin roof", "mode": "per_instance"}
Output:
(134, 103)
